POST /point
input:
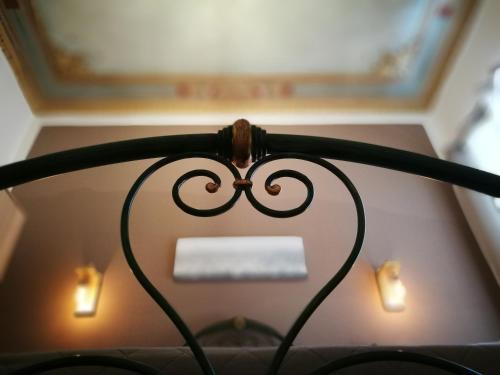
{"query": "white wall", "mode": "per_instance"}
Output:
(456, 98)
(18, 130)
(17, 124)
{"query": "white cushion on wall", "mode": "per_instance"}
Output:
(235, 258)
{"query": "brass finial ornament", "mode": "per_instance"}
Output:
(242, 143)
(243, 182)
(239, 323)
(212, 187)
(273, 189)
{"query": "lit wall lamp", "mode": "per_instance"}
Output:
(87, 291)
(392, 291)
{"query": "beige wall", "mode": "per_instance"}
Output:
(74, 219)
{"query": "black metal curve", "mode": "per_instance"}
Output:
(216, 180)
(136, 269)
(394, 355)
(104, 154)
(87, 360)
(282, 173)
(330, 148)
(341, 273)
(386, 157)
(310, 149)
(317, 299)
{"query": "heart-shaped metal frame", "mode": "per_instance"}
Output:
(237, 144)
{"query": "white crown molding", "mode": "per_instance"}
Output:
(281, 118)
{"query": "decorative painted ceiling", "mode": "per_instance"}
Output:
(264, 54)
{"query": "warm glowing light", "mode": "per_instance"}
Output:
(392, 291)
(87, 291)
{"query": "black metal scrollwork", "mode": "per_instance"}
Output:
(275, 190)
(241, 185)
(328, 288)
(211, 187)
(219, 149)
(155, 294)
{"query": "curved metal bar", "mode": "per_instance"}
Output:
(394, 355)
(331, 148)
(87, 360)
(386, 157)
(136, 269)
(104, 154)
(216, 183)
(269, 187)
(341, 273)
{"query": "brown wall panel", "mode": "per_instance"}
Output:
(74, 219)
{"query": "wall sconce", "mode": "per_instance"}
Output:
(87, 291)
(392, 291)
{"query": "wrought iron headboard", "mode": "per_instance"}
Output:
(238, 146)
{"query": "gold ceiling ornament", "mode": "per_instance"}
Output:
(396, 65)
(69, 64)
(224, 89)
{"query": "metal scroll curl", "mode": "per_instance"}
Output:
(275, 189)
(211, 187)
(240, 184)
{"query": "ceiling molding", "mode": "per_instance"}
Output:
(219, 119)
(59, 71)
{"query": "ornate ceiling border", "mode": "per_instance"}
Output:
(68, 67)
(209, 92)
